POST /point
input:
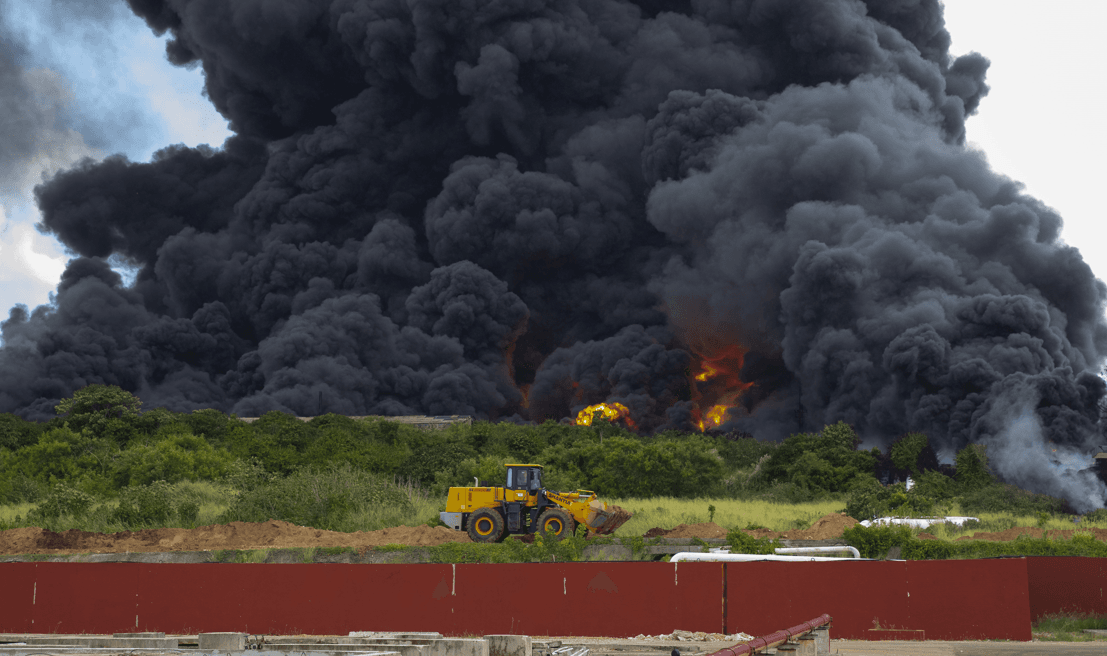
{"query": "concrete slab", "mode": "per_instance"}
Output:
(347, 645)
(458, 647)
(222, 641)
(103, 642)
(508, 645)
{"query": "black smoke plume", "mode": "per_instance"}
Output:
(513, 208)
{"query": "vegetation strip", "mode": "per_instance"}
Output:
(105, 466)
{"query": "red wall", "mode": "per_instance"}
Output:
(616, 599)
(956, 600)
(1067, 583)
(950, 599)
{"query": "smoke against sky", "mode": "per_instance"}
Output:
(79, 79)
(515, 209)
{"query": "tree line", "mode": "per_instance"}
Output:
(103, 446)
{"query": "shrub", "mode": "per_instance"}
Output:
(626, 467)
(827, 461)
(93, 406)
(16, 432)
(867, 499)
(909, 451)
(742, 542)
(323, 498)
(972, 467)
(145, 506)
(178, 456)
(62, 500)
(1005, 498)
(875, 541)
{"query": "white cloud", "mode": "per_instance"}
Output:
(1041, 124)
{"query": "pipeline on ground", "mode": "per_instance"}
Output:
(774, 639)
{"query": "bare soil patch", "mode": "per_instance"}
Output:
(829, 527)
(236, 535)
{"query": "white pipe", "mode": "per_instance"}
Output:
(808, 550)
(686, 556)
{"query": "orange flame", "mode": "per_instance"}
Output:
(708, 372)
(714, 417)
(721, 373)
(611, 411)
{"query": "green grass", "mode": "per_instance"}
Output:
(995, 522)
(668, 513)
(213, 499)
(8, 513)
(1069, 627)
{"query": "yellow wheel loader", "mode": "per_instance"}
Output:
(490, 514)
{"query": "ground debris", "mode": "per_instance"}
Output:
(695, 636)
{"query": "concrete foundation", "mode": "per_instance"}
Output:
(102, 642)
(508, 645)
(822, 641)
(458, 647)
(227, 641)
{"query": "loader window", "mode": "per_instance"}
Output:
(521, 483)
(510, 471)
(536, 480)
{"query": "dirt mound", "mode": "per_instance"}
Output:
(236, 535)
(702, 531)
(829, 527)
(1012, 533)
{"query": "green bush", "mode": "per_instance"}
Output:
(744, 543)
(320, 498)
(624, 467)
(1002, 497)
(62, 500)
(64, 455)
(972, 467)
(177, 456)
(155, 505)
(828, 461)
(875, 541)
(16, 432)
(92, 407)
(906, 451)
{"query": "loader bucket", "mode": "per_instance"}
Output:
(603, 519)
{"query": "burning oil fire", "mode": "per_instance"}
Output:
(721, 373)
(611, 411)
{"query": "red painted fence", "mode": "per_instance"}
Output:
(1067, 584)
(948, 599)
(953, 600)
(540, 599)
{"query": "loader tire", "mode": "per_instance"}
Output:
(486, 525)
(556, 523)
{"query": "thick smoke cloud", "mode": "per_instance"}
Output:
(514, 209)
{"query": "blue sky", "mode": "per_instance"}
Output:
(103, 86)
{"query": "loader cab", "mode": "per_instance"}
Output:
(524, 477)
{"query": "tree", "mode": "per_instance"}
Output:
(972, 467)
(94, 406)
(827, 461)
(907, 450)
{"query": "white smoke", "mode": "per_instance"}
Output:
(1020, 454)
